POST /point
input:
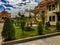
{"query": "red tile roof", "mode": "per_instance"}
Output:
(42, 5)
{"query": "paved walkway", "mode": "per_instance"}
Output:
(47, 41)
(1, 27)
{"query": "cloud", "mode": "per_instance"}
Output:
(24, 8)
(14, 6)
(1, 3)
(11, 3)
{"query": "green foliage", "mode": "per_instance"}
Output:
(43, 17)
(58, 26)
(47, 25)
(30, 19)
(29, 29)
(19, 14)
(22, 23)
(8, 32)
(40, 29)
(12, 21)
(17, 21)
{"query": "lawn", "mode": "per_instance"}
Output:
(19, 35)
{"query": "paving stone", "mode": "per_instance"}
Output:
(47, 41)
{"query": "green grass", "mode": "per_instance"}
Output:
(51, 30)
(31, 33)
(19, 35)
(18, 32)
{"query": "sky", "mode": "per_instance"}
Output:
(14, 6)
(10, 4)
(1, 8)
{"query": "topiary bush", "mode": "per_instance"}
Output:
(58, 26)
(47, 25)
(8, 32)
(22, 23)
(40, 28)
(12, 21)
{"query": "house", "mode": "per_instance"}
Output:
(4, 14)
(52, 10)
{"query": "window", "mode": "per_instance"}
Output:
(52, 18)
(53, 7)
(49, 7)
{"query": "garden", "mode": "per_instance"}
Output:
(18, 28)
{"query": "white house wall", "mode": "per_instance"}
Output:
(52, 13)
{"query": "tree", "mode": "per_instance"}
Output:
(40, 28)
(8, 32)
(30, 19)
(19, 14)
(17, 20)
(35, 13)
(43, 17)
(22, 23)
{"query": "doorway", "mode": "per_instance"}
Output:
(58, 17)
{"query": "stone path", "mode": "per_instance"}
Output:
(47, 41)
(1, 27)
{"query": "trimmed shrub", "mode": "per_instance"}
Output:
(12, 21)
(47, 25)
(58, 26)
(22, 25)
(8, 32)
(40, 29)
